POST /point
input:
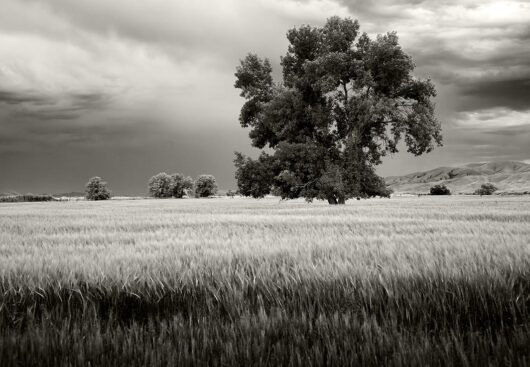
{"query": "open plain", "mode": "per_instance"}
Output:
(401, 281)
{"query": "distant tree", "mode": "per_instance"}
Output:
(205, 186)
(160, 186)
(96, 189)
(230, 193)
(440, 190)
(345, 102)
(486, 189)
(180, 185)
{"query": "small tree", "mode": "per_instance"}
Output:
(205, 186)
(180, 185)
(160, 186)
(96, 189)
(486, 189)
(231, 193)
(440, 190)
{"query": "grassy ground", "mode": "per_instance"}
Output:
(405, 281)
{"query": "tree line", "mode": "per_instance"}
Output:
(161, 185)
(177, 186)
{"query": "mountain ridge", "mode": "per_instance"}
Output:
(508, 176)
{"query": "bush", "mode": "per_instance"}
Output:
(160, 186)
(205, 186)
(486, 189)
(96, 189)
(180, 185)
(440, 190)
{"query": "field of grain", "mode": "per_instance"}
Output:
(402, 281)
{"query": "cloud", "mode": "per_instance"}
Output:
(150, 80)
(512, 94)
(30, 105)
(480, 48)
(169, 63)
(492, 119)
(14, 97)
(190, 30)
(511, 131)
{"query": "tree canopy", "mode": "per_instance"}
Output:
(96, 189)
(345, 102)
(205, 186)
(163, 185)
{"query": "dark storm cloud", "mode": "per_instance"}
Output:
(14, 97)
(522, 130)
(69, 106)
(78, 103)
(89, 100)
(513, 94)
(500, 78)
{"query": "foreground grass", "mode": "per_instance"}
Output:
(419, 281)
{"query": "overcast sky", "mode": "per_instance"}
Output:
(125, 89)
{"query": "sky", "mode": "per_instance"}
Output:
(125, 89)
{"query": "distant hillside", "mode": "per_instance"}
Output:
(508, 176)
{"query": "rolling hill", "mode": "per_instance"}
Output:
(508, 176)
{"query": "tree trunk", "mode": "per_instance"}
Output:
(332, 200)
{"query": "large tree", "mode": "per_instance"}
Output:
(345, 102)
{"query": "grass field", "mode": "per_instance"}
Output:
(403, 281)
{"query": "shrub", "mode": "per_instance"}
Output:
(440, 190)
(96, 189)
(486, 189)
(180, 185)
(160, 186)
(231, 193)
(205, 186)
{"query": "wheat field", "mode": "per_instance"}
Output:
(401, 281)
